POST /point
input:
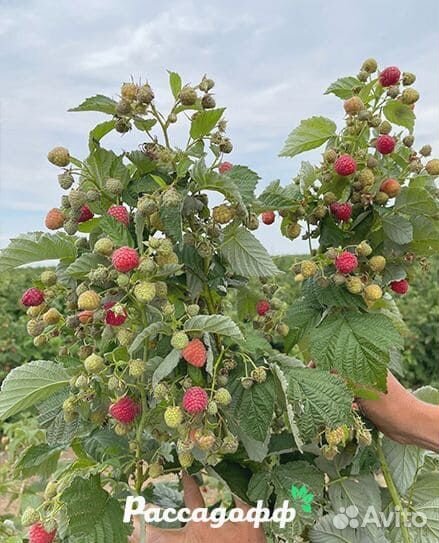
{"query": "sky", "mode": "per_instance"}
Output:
(271, 63)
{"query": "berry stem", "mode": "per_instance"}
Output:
(162, 124)
(392, 490)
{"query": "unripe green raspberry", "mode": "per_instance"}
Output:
(30, 516)
(381, 198)
(179, 340)
(363, 76)
(136, 368)
(51, 490)
(94, 363)
(408, 141)
(186, 460)
(393, 91)
(212, 408)
(122, 126)
(113, 383)
(373, 293)
(35, 328)
(226, 146)
(377, 263)
(223, 397)
(145, 291)
(385, 127)
(432, 166)
(123, 107)
(171, 198)
(370, 65)
(69, 405)
(121, 429)
(59, 156)
(409, 96)
(77, 199)
(192, 310)
(145, 94)
(425, 150)
(160, 391)
(354, 285)
(70, 227)
(223, 379)
(330, 155)
(161, 289)
(206, 84)
(206, 441)
(173, 417)
(168, 309)
(293, 230)
(40, 340)
(208, 101)
(259, 375)
(408, 78)
(366, 177)
(104, 246)
(363, 249)
(229, 444)
(122, 280)
(329, 198)
(336, 436)
(48, 278)
(114, 186)
(155, 470)
(81, 382)
(146, 205)
(124, 337)
(229, 364)
(364, 437)
(308, 268)
(282, 329)
(188, 96)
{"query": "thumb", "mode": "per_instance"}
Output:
(192, 494)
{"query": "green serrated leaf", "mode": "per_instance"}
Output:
(166, 367)
(99, 103)
(205, 122)
(398, 229)
(30, 384)
(310, 134)
(344, 87)
(416, 201)
(39, 460)
(245, 254)
(175, 83)
(245, 180)
(116, 231)
(404, 461)
(215, 324)
(84, 264)
(357, 345)
(399, 113)
(276, 197)
(99, 132)
(36, 247)
(145, 124)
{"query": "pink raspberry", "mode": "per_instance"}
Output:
(345, 165)
(32, 296)
(342, 211)
(262, 307)
(346, 262)
(195, 400)
(124, 410)
(86, 214)
(37, 534)
(385, 144)
(195, 353)
(225, 167)
(400, 287)
(115, 317)
(268, 217)
(125, 259)
(120, 213)
(389, 76)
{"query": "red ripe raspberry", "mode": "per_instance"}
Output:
(262, 307)
(225, 167)
(115, 317)
(32, 296)
(195, 400)
(124, 410)
(385, 144)
(54, 219)
(345, 165)
(120, 213)
(268, 217)
(86, 214)
(346, 262)
(389, 76)
(125, 259)
(342, 211)
(400, 287)
(195, 353)
(37, 534)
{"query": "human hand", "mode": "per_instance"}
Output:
(200, 532)
(402, 417)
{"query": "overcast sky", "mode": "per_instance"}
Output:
(271, 62)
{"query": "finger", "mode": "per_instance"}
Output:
(241, 505)
(158, 535)
(192, 493)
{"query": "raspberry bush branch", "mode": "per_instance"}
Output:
(179, 345)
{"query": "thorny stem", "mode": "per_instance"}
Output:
(393, 490)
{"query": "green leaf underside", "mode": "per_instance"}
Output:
(217, 324)
(100, 103)
(30, 384)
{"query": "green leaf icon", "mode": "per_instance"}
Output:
(303, 496)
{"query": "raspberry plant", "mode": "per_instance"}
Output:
(178, 349)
